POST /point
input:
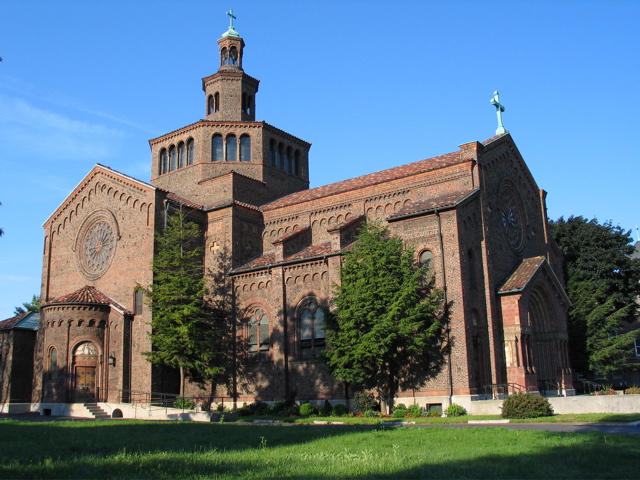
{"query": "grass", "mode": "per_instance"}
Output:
(565, 418)
(136, 449)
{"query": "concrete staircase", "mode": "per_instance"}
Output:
(97, 412)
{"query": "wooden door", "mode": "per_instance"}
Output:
(85, 384)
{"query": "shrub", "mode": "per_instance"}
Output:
(526, 405)
(339, 410)
(455, 410)
(307, 409)
(400, 412)
(256, 408)
(183, 403)
(364, 401)
(371, 413)
(293, 410)
(400, 406)
(326, 409)
(415, 410)
(279, 408)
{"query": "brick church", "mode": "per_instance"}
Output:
(475, 215)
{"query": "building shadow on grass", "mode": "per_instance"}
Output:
(181, 450)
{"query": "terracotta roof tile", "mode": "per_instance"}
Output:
(366, 180)
(523, 273)
(184, 201)
(10, 322)
(227, 203)
(91, 295)
(270, 258)
(291, 235)
(427, 204)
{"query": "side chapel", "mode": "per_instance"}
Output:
(475, 215)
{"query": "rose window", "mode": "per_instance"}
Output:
(512, 219)
(97, 246)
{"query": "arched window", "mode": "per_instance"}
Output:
(233, 56)
(190, 151)
(53, 363)
(164, 161)
(210, 109)
(216, 102)
(138, 300)
(258, 336)
(426, 259)
(279, 156)
(224, 56)
(296, 163)
(182, 155)
(217, 148)
(245, 148)
(231, 150)
(272, 153)
(243, 107)
(311, 328)
(249, 104)
(287, 160)
(173, 158)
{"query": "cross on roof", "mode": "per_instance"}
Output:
(499, 109)
(232, 17)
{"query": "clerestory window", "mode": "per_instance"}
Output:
(173, 158)
(245, 148)
(182, 155)
(217, 148)
(190, 151)
(231, 150)
(164, 161)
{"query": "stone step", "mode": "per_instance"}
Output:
(97, 411)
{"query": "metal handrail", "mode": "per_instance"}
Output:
(593, 387)
(503, 389)
(549, 386)
(162, 400)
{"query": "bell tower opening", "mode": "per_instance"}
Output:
(230, 93)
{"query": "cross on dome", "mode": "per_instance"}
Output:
(231, 32)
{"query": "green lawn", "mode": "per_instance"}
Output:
(130, 449)
(566, 418)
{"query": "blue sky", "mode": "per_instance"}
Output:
(371, 84)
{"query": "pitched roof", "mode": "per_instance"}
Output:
(370, 179)
(23, 321)
(424, 205)
(89, 295)
(269, 259)
(522, 274)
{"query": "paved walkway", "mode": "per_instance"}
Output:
(605, 428)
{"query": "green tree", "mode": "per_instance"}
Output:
(386, 331)
(603, 283)
(184, 324)
(32, 306)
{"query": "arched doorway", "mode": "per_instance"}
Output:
(85, 385)
(544, 340)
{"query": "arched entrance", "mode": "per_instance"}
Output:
(86, 372)
(547, 341)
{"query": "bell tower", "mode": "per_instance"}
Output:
(230, 94)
